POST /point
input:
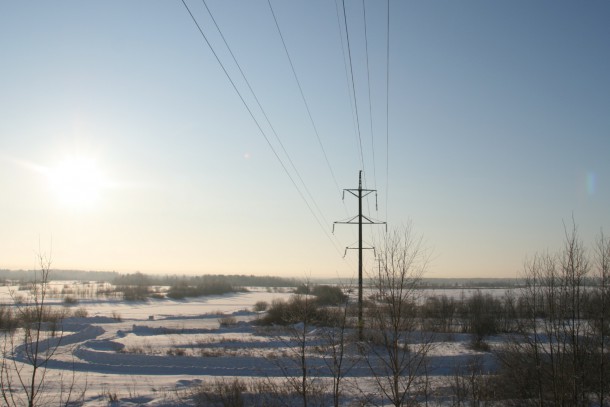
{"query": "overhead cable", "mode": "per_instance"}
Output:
(345, 66)
(349, 52)
(368, 80)
(303, 97)
(259, 127)
(387, 115)
(277, 137)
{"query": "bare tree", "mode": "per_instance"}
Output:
(481, 314)
(439, 313)
(337, 344)
(547, 360)
(318, 342)
(471, 384)
(601, 324)
(396, 348)
(301, 375)
(27, 351)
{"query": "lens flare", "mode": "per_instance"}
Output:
(591, 183)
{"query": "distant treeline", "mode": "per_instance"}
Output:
(147, 279)
(441, 282)
(471, 282)
(138, 286)
(78, 275)
(242, 280)
(206, 279)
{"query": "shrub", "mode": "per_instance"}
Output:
(69, 300)
(325, 294)
(221, 393)
(31, 314)
(439, 313)
(302, 289)
(112, 397)
(481, 316)
(329, 295)
(227, 321)
(276, 314)
(81, 313)
(261, 306)
(7, 319)
(182, 289)
(295, 310)
(176, 352)
(134, 293)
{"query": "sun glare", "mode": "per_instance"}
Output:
(77, 181)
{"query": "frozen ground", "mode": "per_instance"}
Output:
(150, 353)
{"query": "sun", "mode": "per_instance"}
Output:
(77, 181)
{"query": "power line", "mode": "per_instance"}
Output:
(368, 82)
(258, 125)
(352, 91)
(347, 81)
(277, 137)
(346, 69)
(305, 99)
(368, 77)
(313, 124)
(349, 52)
(387, 115)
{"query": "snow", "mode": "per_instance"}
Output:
(158, 349)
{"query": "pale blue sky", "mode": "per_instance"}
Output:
(499, 131)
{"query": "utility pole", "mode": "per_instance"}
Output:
(359, 220)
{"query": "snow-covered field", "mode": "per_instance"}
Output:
(151, 353)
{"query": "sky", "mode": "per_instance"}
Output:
(126, 145)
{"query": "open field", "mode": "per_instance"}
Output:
(92, 344)
(156, 352)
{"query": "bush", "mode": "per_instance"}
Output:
(8, 321)
(69, 300)
(329, 295)
(276, 313)
(295, 310)
(302, 289)
(439, 313)
(261, 306)
(81, 313)
(176, 352)
(31, 314)
(325, 294)
(227, 321)
(134, 293)
(182, 289)
(221, 393)
(481, 316)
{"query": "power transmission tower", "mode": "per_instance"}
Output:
(359, 220)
